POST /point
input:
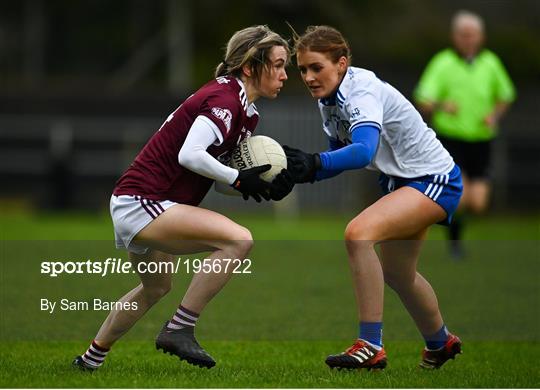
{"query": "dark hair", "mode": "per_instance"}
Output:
(323, 39)
(250, 46)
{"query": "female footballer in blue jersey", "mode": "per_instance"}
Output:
(369, 124)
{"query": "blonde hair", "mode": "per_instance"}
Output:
(322, 39)
(250, 46)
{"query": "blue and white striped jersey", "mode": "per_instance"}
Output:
(407, 146)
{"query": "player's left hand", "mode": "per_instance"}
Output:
(302, 166)
(282, 185)
(250, 184)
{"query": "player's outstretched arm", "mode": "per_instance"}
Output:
(308, 167)
(365, 140)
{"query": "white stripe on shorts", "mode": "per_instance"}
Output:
(435, 188)
(428, 189)
(433, 191)
(438, 193)
(444, 180)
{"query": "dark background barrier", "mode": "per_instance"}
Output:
(84, 84)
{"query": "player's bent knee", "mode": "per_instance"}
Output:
(244, 235)
(358, 230)
(352, 231)
(241, 241)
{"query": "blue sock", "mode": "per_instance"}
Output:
(371, 332)
(438, 339)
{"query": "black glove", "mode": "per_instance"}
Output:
(249, 183)
(302, 166)
(282, 185)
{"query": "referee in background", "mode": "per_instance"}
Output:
(465, 91)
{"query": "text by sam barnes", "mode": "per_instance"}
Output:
(96, 304)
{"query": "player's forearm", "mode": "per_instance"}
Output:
(322, 175)
(333, 144)
(193, 154)
(354, 156)
(202, 163)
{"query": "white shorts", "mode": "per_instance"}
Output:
(130, 214)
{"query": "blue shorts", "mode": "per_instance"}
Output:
(445, 190)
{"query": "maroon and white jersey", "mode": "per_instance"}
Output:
(156, 173)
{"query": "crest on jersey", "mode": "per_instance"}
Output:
(223, 80)
(224, 115)
(356, 113)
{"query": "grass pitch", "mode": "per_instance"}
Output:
(261, 364)
(274, 327)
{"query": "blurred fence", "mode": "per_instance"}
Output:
(73, 161)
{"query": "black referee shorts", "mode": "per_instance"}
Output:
(474, 158)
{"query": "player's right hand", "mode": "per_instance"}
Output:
(249, 183)
(302, 166)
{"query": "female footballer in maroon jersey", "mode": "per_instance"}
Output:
(154, 206)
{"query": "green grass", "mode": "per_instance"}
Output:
(69, 226)
(274, 327)
(267, 364)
